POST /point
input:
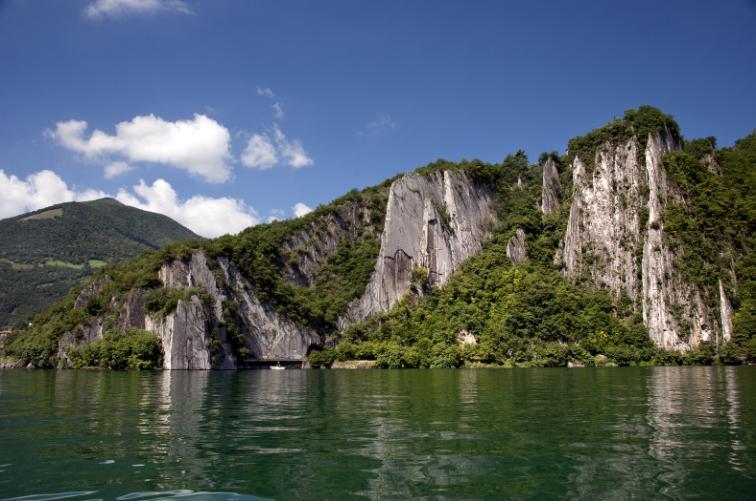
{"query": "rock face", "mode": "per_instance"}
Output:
(91, 290)
(550, 191)
(268, 335)
(516, 251)
(725, 312)
(189, 333)
(434, 223)
(615, 239)
(314, 244)
(184, 335)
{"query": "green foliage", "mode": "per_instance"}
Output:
(135, 349)
(638, 123)
(321, 358)
(260, 254)
(163, 300)
(44, 254)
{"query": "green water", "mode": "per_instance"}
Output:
(473, 434)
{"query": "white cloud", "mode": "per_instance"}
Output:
(265, 152)
(115, 169)
(122, 8)
(259, 153)
(200, 145)
(38, 190)
(381, 124)
(265, 92)
(208, 217)
(293, 152)
(278, 111)
(300, 209)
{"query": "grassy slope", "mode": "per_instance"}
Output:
(45, 253)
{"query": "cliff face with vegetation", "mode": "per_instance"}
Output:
(615, 238)
(433, 224)
(634, 247)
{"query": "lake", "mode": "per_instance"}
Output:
(603, 433)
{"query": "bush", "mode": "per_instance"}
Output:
(135, 349)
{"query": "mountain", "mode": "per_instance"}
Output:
(45, 253)
(631, 248)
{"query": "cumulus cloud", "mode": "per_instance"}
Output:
(260, 153)
(300, 209)
(265, 151)
(121, 8)
(115, 169)
(293, 152)
(381, 124)
(208, 217)
(200, 146)
(38, 190)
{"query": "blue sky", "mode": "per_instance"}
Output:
(363, 91)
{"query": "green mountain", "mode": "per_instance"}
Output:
(45, 253)
(634, 247)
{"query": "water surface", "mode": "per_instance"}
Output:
(474, 434)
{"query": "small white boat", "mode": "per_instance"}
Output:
(277, 367)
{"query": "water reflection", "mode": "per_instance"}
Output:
(694, 414)
(606, 434)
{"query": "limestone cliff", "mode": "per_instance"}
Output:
(310, 248)
(615, 239)
(434, 223)
(516, 250)
(550, 191)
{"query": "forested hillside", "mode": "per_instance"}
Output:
(634, 247)
(45, 253)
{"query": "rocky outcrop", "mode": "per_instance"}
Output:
(86, 333)
(184, 335)
(195, 334)
(309, 249)
(615, 239)
(433, 222)
(516, 251)
(550, 191)
(604, 227)
(90, 291)
(268, 335)
(132, 312)
(725, 314)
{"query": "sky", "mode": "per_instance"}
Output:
(226, 113)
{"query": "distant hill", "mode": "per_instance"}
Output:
(45, 253)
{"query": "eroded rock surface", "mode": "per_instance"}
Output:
(615, 239)
(434, 222)
(550, 191)
(516, 251)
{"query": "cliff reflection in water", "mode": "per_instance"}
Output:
(586, 434)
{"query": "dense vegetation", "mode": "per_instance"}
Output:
(45, 253)
(529, 315)
(259, 253)
(635, 123)
(520, 315)
(712, 227)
